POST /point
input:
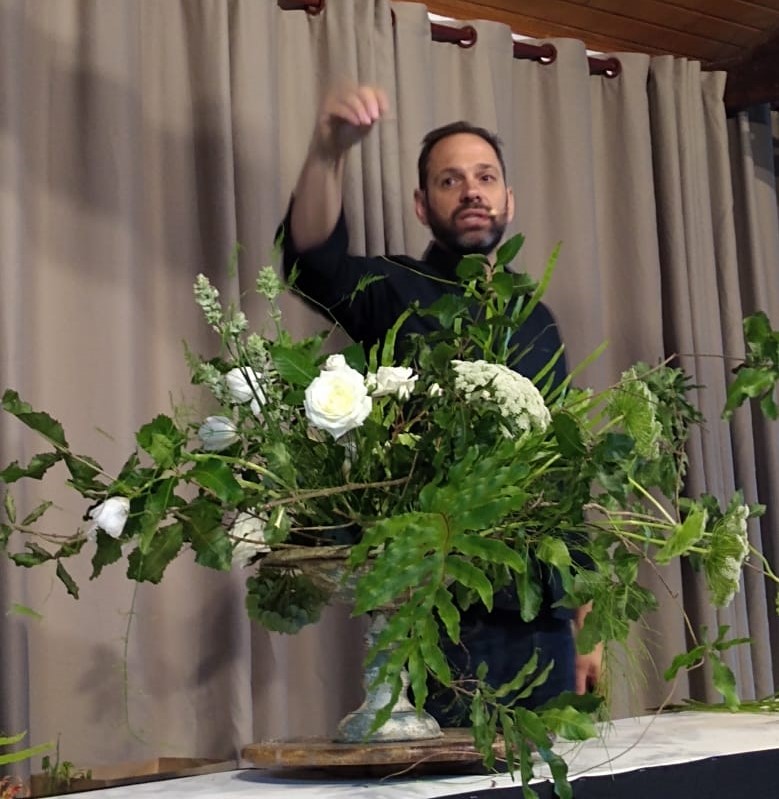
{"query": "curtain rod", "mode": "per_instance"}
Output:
(467, 35)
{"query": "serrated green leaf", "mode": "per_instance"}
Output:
(507, 251)
(293, 365)
(150, 565)
(35, 469)
(724, 682)
(417, 673)
(203, 528)
(520, 679)
(559, 769)
(492, 550)
(626, 565)
(145, 522)
(36, 513)
(38, 421)
(84, 472)
(529, 595)
(67, 580)
(10, 507)
(71, 547)
(568, 434)
(470, 267)
(583, 703)
(471, 577)
(33, 557)
(554, 551)
(386, 581)
(570, 723)
(684, 536)
(531, 726)
(108, 551)
(448, 614)
(502, 283)
(217, 477)
(685, 660)
(768, 407)
(161, 439)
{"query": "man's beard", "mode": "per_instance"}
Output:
(467, 243)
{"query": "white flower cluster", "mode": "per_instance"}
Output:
(520, 402)
(729, 548)
(207, 297)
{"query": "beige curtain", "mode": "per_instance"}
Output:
(140, 140)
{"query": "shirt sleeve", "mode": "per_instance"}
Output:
(326, 278)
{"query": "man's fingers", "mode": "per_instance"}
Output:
(581, 681)
(358, 106)
(374, 101)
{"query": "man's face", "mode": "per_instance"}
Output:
(466, 203)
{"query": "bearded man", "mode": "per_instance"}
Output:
(464, 199)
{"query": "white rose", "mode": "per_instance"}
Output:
(335, 362)
(110, 516)
(243, 384)
(435, 390)
(337, 401)
(217, 433)
(397, 380)
(249, 532)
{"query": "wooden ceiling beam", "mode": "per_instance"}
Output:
(753, 79)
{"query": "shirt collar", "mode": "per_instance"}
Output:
(440, 259)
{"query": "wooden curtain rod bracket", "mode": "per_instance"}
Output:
(544, 53)
(464, 37)
(608, 67)
(312, 7)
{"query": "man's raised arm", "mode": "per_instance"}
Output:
(345, 116)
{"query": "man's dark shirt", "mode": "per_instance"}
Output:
(329, 276)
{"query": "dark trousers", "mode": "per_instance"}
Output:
(505, 643)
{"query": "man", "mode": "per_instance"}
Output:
(464, 200)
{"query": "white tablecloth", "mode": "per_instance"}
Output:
(624, 745)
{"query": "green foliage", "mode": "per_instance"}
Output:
(722, 677)
(757, 376)
(20, 754)
(60, 774)
(283, 601)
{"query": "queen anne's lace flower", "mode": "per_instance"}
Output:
(728, 549)
(520, 402)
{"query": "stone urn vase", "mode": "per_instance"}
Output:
(327, 567)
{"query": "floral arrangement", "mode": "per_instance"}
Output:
(447, 475)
